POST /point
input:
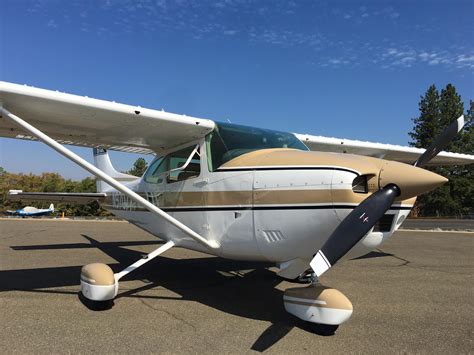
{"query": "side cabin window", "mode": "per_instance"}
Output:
(177, 167)
(228, 141)
(173, 167)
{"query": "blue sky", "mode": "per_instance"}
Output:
(352, 69)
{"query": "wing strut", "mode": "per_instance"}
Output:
(212, 244)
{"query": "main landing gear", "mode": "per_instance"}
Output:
(99, 284)
(324, 308)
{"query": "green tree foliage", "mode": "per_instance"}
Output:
(139, 167)
(462, 188)
(48, 182)
(427, 124)
(450, 108)
(437, 111)
(53, 182)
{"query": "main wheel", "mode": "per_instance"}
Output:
(323, 329)
(95, 305)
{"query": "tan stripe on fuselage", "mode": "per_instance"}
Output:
(207, 198)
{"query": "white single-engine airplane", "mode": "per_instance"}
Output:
(302, 202)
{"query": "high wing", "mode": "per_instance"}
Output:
(83, 121)
(380, 150)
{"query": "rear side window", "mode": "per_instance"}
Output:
(172, 167)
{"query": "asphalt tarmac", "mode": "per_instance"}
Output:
(414, 295)
(439, 224)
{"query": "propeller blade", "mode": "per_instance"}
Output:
(441, 142)
(354, 227)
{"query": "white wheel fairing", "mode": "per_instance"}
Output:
(98, 282)
(99, 292)
(318, 315)
(318, 304)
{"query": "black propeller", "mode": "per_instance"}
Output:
(361, 220)
(354, 227)
(441, 142)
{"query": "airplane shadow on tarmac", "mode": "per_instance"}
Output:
(246, 289)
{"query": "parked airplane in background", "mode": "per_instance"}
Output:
(30, 211)
(302, 202)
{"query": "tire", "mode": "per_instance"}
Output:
(323, 329)
(95, 305)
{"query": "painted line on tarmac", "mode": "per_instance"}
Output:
(437, 231)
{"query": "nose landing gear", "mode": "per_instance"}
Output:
(324, 308)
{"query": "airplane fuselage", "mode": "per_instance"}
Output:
(32, 212)
(270, 205)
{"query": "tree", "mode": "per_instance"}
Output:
(450, 108)
(466, 140)
(48, 182)
(426, 128)
(427, 124)
(462, 177)
(437, 111)
(139, 167)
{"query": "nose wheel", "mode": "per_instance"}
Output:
(323, 308)
(309, 276)
(96, 305)
(323, 329)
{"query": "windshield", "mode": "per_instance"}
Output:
(228, 141)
